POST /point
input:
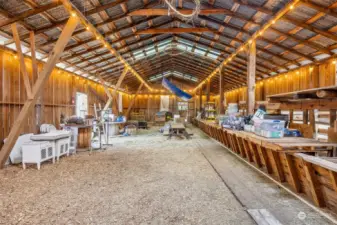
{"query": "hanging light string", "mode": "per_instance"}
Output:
(76, 13)
(258, 33)
(186, 17)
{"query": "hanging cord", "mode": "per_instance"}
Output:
(185, 17)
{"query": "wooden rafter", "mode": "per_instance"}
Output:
(133, 100)
(164, 12)
(174, 30)
(39, 84)
(23, 68)
(29, 13)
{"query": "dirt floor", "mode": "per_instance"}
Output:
(145, 179)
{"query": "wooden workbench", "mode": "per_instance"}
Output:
(290, 160)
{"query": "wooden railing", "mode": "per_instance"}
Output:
(312, 176)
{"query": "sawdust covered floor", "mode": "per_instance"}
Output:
(146, 179)
(140, 180)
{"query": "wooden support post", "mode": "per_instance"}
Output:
(333, 177)
(293, 172)
(305, 116)
(35, 72)
(277, 162)
(291, 115)
(312, 120)
(255, 152)
(251, 71)
(208, 90)
(195, 105)
(114, 92)
(133, 100)
(200, 98)
(33, 55)
(246, 147)
(221, 93)
(106, 89)
(315, 188)
(23, 68)
(265, 158)
(39, 84)
(148, 108)
(332, 118)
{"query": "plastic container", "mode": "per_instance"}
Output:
(271, 128)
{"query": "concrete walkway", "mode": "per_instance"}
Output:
(253, 190)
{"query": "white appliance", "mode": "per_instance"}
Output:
(37, 152)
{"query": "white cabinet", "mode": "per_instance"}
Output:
(37, 152)
(62, 147)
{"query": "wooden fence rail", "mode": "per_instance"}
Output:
(314, 177)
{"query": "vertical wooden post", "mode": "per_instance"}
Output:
(312, 120)
(23, 68)
(39, 84)
(200, 98)
(195, 105)
(332, 117)
(208, 90)
(221, 93)
(305, 116)
(114, 92)
(291, 115)
(133, 100)
(106, 89)
(251, 70)
(38, 106)
(148, 107)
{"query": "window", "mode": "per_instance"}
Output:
(81, 104)
(182, 106)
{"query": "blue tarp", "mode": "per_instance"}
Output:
(175, 90)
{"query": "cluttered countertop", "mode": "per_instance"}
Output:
(265, 129)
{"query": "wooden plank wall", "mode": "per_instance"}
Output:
(58, 95)
(307, 77)
(150, 105)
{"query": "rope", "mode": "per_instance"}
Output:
(185, 17)
(173, 50)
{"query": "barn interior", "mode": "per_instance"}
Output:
(168, 112)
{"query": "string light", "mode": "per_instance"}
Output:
(88, 27)
(260, 32)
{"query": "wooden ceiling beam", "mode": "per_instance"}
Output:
(221, 50)
(164, 12)
(80, 31)
(311, 28)
(263, 39)
(174, 30)
(101, 46)
(319, 8)
(29, 13)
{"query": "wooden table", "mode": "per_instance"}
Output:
(178, 129)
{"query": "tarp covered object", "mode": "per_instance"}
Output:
(175, 90)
